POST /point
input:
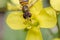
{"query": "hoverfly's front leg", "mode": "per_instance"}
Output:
(32, 3)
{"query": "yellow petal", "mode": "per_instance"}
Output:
(37, 7)
(34, 34)
(12, 6)
(55, 4)
(47, 18)
(56, 39)
(15, 20)
(16, 2)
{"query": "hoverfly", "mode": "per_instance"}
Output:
(25, 8)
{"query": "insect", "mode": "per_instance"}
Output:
(25, 8)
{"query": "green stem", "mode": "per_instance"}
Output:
(58, 30)
(58, 25)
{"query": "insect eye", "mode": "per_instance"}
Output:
(23, 2)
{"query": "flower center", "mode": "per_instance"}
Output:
(31, 23)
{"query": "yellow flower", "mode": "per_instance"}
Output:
(47, 18)
(55, 4)
(41, 18)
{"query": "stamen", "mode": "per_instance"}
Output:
(29, 27)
